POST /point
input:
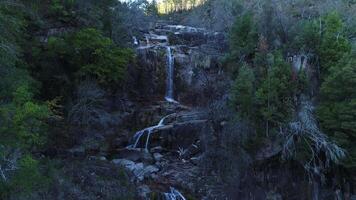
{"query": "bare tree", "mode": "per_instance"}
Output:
(305, 131)
(88, 110)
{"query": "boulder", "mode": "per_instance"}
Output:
(139, 170)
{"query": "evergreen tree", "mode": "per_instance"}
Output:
(337, 109)
(243, 37)
(333, 43)
(243, 42)
(275, 95)
(242, 99)
(152, 8)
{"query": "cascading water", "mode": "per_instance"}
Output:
(169, 93)
(174, 194)
(170, 76)
(137, 137)
(135, 41)
(147, 41)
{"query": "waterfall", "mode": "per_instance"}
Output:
(135, 40)
(147, 40)
(173, 195)
(170, 76)
(138, 135)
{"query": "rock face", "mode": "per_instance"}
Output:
(163, 158)
(196, 54)
(139, 170)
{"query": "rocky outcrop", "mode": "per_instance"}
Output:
(139, 170)
(197, 54)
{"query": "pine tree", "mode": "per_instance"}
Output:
(333, 43)
(337, 110)
(242, 99)
(243, 36)
(275, 95)
(243, 42)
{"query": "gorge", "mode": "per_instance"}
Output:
(177, 100)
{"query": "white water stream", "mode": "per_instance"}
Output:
(135, 41)
(170, 76)
(174, 194)
(147, 131)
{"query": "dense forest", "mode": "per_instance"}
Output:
(251, 99)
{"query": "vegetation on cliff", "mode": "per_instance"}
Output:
(285, 87)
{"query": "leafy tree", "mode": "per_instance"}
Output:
(23, 121)
(337, 110)
(243, 92)
(87, 53)
(97, 56)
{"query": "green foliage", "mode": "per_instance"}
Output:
(90, 54)
(333, 43)
(24, 180)
(28, 177)
(23, 120)
(337, 110)
(243, 36)
(308, 37)
(275, 95)
(151, 8)
(243, 92)
(62, 9)
(12, 25)
(264, 96)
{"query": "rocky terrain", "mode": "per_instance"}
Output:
(162, 159)
(160, 136)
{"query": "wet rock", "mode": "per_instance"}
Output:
(134, 155)
(196, 54)
(157, 149)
